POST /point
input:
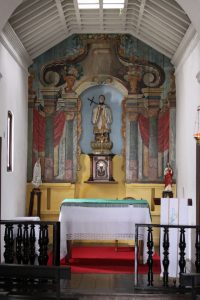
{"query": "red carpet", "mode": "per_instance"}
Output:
(107, 260)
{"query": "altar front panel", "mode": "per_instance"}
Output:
(103, 220)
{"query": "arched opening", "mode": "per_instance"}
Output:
(89, 93)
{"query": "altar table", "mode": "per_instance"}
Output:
(98, 219)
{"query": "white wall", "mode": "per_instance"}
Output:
(13, 97)
(187, 100)
(192, 8)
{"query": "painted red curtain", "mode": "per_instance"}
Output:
(163, 132)
(144, 129)
(38, 131)
(59, 123)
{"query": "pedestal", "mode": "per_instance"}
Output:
(101, 168)
(35, 192)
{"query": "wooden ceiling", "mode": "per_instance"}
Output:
(41, 24)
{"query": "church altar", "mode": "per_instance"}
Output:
(100, 219)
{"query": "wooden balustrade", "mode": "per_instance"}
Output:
(165, 250)
(26, 256)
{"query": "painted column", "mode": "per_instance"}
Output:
(153, 143)
(133, 146)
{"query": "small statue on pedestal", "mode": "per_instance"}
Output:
(101, 120)
(101, 156)
(168, 174)
(37, 177)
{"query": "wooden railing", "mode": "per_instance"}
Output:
(165, 248)
(26, 254)
(24, 233)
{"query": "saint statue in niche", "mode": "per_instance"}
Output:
(101, 120)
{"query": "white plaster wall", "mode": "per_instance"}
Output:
(192, 8)
(187, 99)
(13, 97)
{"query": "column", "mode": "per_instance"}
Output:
(153, 143)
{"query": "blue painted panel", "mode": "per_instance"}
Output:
(113, 99)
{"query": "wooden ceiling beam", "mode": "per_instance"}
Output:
(62, 16)
(77, 13)
(141, 12)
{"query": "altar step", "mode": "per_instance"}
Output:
(135, 297)
(103, 297)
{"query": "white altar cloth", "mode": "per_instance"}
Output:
(102, 223)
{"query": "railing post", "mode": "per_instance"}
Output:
(182, 245)
(150, 256)
(136, 255)
(19, 244)
(165, 254)
(32, 244)
(9, 244)
(43, 243)
(197, 246)
(56, 244)
(25, 257)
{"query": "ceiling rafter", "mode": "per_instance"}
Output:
(141, 12)
(170, 11)
(174, 5)
(39, 7)
(101, 14)
(166, 43)
(77, 13)
(48, 35)
(24, 6)
(28, 30)
(34, 18)
(48, 30)
(163, 21)
(124, 14)
(162, 30)
(166, 30)
(162, 15)
(61, 15)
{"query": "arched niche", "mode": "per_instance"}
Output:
(115, 93)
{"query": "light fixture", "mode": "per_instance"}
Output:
(94, 4)
(88, 4)
(113, 4)
(197, 126)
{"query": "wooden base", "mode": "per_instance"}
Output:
(37, 193)
(101, 181)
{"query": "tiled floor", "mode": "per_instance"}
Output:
(114, 286)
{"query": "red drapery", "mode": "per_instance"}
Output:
(38, 131)
(59, 123)
(163, 132)
(144, 129)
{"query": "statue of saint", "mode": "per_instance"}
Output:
(168, 174)
(101, 120)
(37, 178)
